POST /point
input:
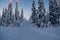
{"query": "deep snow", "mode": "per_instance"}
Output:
(27, 31)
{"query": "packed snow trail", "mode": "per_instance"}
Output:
(26, 31)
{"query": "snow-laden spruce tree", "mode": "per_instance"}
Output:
(33, 16)
(9, 15)
(21, 18)
(4, 16)
(16, 21)
(16, 11)
(59, 10)
(40, 13)
(53, 12)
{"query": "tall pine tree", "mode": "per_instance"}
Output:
(22, 14)
(33, 12)
(53, 12)
(41, 12)
(59, 10)
(9, 20)
(16, 11)
(4, 16)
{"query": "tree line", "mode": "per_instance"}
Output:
(39, 16)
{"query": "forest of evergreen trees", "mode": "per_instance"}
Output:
(9, 18)
(39, 16)
(51, 19)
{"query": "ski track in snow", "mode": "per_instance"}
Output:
(27, 32)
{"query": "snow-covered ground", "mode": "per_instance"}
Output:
(27, 31)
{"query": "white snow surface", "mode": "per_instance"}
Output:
(27, 31)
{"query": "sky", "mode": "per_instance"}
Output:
(25, 4)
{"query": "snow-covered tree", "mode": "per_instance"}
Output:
(59, 11)
(53, 12)
(33, 12)
(9, 18)
(41, 12)
(16, 11)
(21, 18)
(4, 16)
(16, 21)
